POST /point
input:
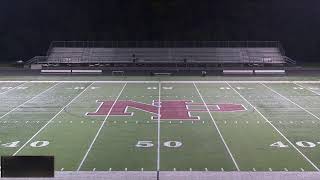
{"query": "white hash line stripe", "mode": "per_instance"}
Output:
(215, 124)
(159, 114)
(98, 132)
(304, 156)
(308, 89)
(29, 100)
(43, 127)
(291, 101)
(14, 87)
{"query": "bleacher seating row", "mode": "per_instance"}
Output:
(264, 55)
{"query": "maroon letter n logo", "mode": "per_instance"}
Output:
(170, 109)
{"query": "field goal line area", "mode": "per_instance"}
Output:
(179, 82)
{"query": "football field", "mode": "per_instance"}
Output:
(164, 125)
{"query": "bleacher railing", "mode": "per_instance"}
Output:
(37, 59)
(165, 44)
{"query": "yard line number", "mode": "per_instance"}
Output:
(35, 144)
(149, 144)
(304, 144)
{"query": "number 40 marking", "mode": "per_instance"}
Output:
(304, 144)
(36, 144)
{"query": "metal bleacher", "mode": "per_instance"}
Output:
(209, 52)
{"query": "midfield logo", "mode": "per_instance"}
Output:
(169, 109)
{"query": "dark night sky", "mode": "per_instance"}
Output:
(28, 26)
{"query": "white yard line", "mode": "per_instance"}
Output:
(159, 114)
(29, 100)
(291, 101)
(98, 132)
(274, 127)
(307, 89)
(215, 124)
(15, 87)
(43, 127)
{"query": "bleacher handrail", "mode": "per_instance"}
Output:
(164, 44)
(289, 60)
(37, 59)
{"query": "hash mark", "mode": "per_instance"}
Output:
(174, 169)
(254, 169)
(110, 169)
(222, 169)
(270, 169)
(141, 169)
(94, 169)
(62, 169)
(190, 169)
(206, 169)
(302, 169)
(126, 169)
(285, 169)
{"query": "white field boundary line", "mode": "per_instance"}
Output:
(147, 82)
(43, 127)
(291, 101)
(98, 132)
(215, 124)
(23, 83)
(274, 127)
(29, 100)
(159, 114)
(315, 92)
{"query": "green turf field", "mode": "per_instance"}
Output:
(222, 126)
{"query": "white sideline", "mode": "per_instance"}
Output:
(291, 101)
(304, 156)
(29, 100)
(215, 124)
(199, 82)
(23, 83)
(159, 114)
(43, 127)
(98, 132)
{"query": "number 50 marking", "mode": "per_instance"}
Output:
(148, 144)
